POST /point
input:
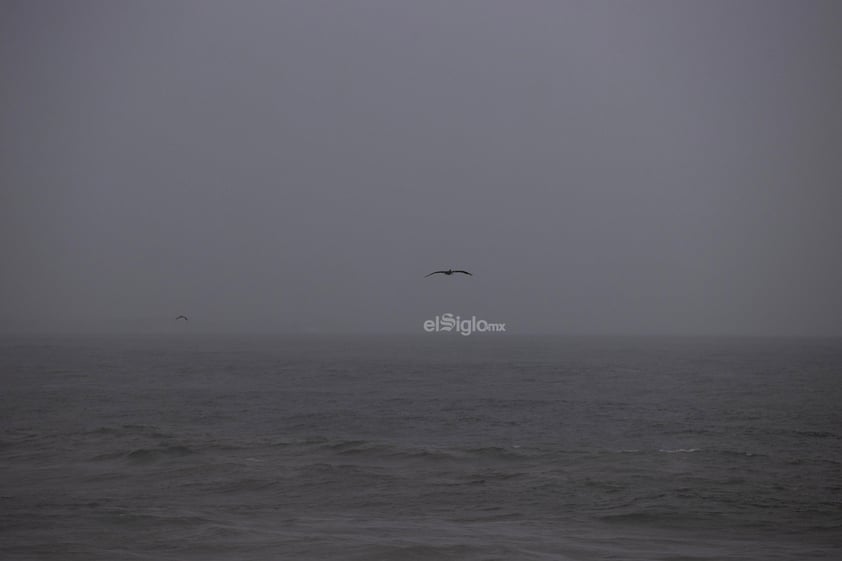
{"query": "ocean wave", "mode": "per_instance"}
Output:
(154, 454)
(391, 451)
(498, 452)
(479, 478)
(372, 449)
(722, 452)
(419, 551)
(155, 517)
(741, 453)
(130, 429)
(816, 434)
(661, 517)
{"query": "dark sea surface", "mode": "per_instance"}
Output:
(435, 447)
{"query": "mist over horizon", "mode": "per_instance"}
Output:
(642, 168)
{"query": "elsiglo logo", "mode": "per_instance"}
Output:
(466, 326)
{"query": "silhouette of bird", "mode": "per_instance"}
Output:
(182, 317)
(449, 272)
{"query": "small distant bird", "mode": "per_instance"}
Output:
(181, 317)
(449, 272)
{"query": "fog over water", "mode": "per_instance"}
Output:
(601, 167)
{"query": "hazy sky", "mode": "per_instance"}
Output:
(602, 167)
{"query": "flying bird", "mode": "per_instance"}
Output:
(181, 317)
(449, 272)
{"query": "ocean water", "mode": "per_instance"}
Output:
(439, 447)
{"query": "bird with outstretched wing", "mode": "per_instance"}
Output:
(449, 272)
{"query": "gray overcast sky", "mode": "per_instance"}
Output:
(602, 167)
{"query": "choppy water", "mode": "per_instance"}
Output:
(437, 447)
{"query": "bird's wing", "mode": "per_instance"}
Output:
(434, 273)
(464, 272)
